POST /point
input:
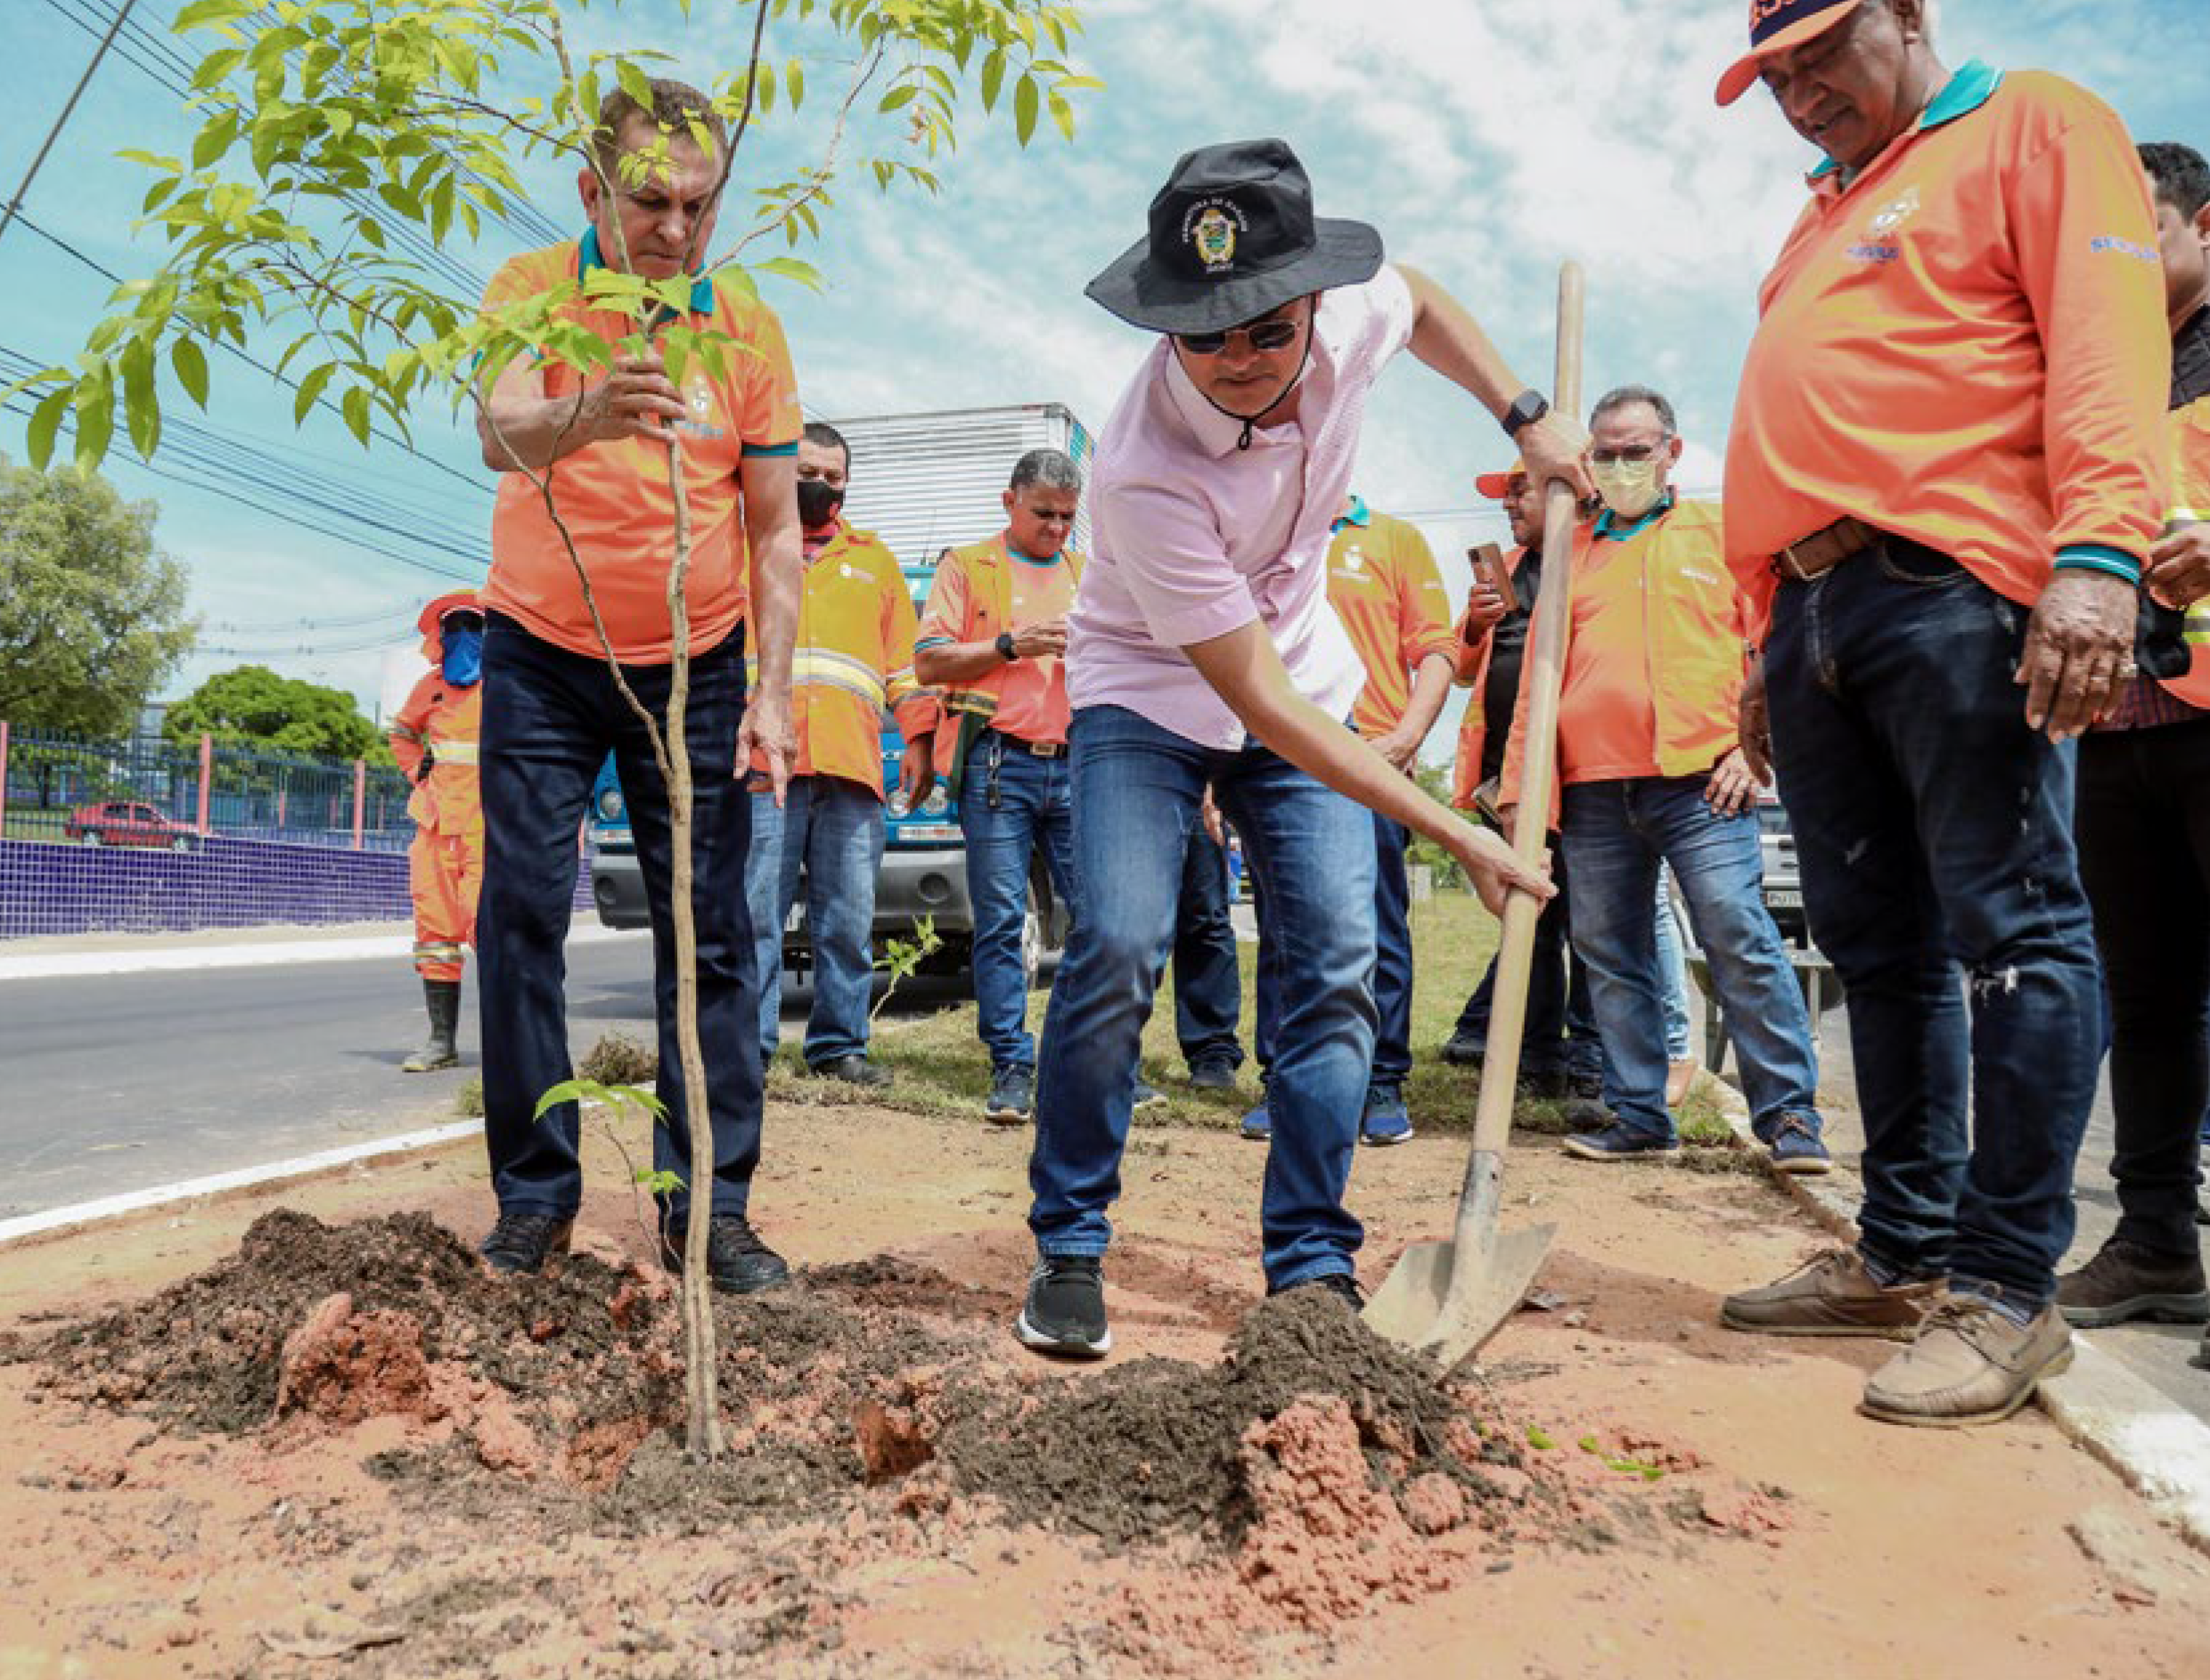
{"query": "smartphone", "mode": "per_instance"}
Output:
(1489, 567)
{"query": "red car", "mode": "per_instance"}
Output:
(121, 822)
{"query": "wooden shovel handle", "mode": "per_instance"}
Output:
(1500, 1076)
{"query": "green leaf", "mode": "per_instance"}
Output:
(45, 420)
(794, 82)
(566, 1091)
(1540, 1440)
(141, 404)
(204, 12)
(214, 140)
(899, 97)
(95, 417)
(354, 407)
(992, 77)
(792, 268)
(310, 390)
(190, 363)
(1063, 114)
(1025, 107)
(635, 82)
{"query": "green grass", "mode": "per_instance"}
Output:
(941, 1068)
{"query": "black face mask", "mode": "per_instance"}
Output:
(818, 502)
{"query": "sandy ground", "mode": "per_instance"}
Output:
(1785, 1535)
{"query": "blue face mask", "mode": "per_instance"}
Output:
(463, 658)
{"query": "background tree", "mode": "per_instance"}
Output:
(326, 125)
(92, 614)
(252, 706)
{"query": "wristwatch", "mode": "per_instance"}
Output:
(1527, 408)
(1005, 646)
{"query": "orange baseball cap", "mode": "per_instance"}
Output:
(434, 614)
(1497, 486)
(1775, 27)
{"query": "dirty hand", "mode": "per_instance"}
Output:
(766, 733)
(1209, 814)
(1031, 641)
(2079, 650)
(1484, 610)
(1733, 785)
(1494, 868)
(1556, 448)
(2179, 566)
(636, 400)
(917, 770)
(1753, 724)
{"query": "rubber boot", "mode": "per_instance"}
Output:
(444, 1000)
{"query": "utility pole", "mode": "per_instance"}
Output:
(7, 216)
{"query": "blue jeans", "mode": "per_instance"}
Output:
(1934, 830)
(832, 831)
(550, 718)
(1559, 1033)
(1137, 789)
(1207, 971)
(1011, 805)
(1615, 834)
(1673, 976)
(1392, 964)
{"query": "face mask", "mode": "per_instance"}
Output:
(1629, 487)
(818, 502)
(464, 657)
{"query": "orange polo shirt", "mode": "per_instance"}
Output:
(2190, 503)
(616, 497)
(853, 655)
(1031, 693)
(1653, 662)
(1383, 585)
(446, 722)
(1965, 345)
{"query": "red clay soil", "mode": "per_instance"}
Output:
(317, 1437)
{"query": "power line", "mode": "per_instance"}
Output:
(62, 121)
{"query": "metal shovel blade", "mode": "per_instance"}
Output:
(1447, 1298)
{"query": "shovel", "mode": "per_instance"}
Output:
(1447, 1298)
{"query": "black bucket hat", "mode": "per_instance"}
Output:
(1232, 236)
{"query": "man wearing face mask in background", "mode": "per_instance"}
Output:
(1651, 770)
(434, 737)
(853, 656)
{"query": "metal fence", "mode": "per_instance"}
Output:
(147, 794)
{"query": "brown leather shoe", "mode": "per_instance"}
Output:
(2126, 1281)
(1970, 1365)
(1833, 1295)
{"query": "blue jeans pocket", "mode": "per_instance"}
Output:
(1914, 563)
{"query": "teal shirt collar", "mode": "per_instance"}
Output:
(588, 257)
(1966, 91)
(1359, 515)
(1607, 530)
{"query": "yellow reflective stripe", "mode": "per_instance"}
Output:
(455, 752)
(442, 950)
(837, 670)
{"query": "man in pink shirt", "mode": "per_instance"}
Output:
(1202, 650)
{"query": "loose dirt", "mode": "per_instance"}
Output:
(317, 1437)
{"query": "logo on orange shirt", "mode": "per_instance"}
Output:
(1893, 215)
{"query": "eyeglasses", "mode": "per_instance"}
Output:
(1634, 454)
(1267, 335)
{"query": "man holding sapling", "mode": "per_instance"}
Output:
(584, 460)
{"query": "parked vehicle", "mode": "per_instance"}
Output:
(922, 483)
(128, 823)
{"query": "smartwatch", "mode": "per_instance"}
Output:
(1527, 408)
(1005, 646)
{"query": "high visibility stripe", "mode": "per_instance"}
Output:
(440, 953)
(455, 752)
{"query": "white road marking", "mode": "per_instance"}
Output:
(53, 965)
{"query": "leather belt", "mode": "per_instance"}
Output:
(1823, 550)
(1040, 749)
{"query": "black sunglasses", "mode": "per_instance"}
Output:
(1267, 335)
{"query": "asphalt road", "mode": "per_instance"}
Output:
(123, 1082)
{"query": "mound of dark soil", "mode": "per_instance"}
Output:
(1156, 1448)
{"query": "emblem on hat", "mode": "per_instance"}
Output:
(1211, 230)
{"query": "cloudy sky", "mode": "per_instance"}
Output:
(1487, 139)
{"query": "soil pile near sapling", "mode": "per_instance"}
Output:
(389, 1307)
(1160, 1447)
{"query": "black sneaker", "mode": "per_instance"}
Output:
(522, 1242)
(853, 1069)
(736, 1260)
(1212, 1074)
(1585, 1087)
(1012, 1095)
(1546, 1084)
(1463, 1050)
(1065, 1312)
(1342, 1285)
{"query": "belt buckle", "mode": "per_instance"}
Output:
(1044, 749)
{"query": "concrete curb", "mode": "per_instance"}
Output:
(2160, 1452)
(56, 1221)
(271, 952)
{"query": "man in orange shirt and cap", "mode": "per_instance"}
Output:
(2144, 834)
(434, 738)
(1946, 476)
